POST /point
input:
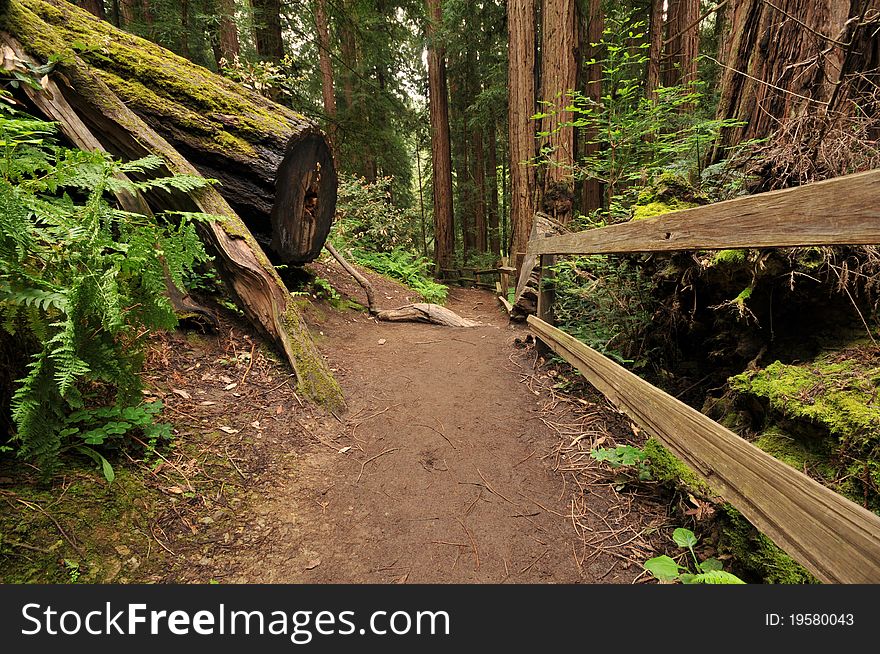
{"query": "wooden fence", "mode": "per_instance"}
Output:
(834, 538)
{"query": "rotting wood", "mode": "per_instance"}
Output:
(840, 211)
(430, 313)
(274, 165)
(51, 103)
(255, 284)
(834, 538)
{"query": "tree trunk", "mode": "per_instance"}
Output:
(558, 80)
(682, 42)
(327, 91)
(655, 49)
(788, 63)
(521, 84)
(492, 180)
(95, 7)
(441, 153)
(274, 165)
(267, 29)
(591, 192)
(479, 177)
(226, 42)
(48, 27)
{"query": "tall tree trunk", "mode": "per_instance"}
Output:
(225, 41)
(655, 49)
(441, 153)
(682, 42)
(127, 12)
(95, 7)
(559, 52)
(773, 71)
(591, 192)
(479, 180)
(267, 29)
(327, 91)
(492, 181)
(521, 81)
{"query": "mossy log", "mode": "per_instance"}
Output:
(255, 283)
(274, 165)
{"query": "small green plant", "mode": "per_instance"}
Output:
(323, 289)
(72, 569)
(624, 456)
(709, 571)
(404, 266)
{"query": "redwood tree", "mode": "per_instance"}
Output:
(559, 64)
(327, 87)
(95, 7)
(682, 42)
(521, 90)
(267, 29)
(441, 155)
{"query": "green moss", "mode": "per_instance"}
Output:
(230, 114)
(658, 208)
(729, 257)
(757, 555)
(666, 467)
(314, 378)
(801, 454)
(836, 393)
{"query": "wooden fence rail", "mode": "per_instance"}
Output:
(840, 211)
(834, 538)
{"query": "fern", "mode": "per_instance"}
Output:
(81, 284)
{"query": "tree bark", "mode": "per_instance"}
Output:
(479, 176)
(682, 42)
(267, 29)
(786, 62)
(656, 24)
(592, 192)
(44, 28)
(521, 65)
(274, 166)
(492, 181)
(327, 91)
(558, 79)
(95, 7)
(225, 41)
(441, 153)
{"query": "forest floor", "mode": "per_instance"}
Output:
(459, 459)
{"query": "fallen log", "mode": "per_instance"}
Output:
(253, 280)
(275, 166)
(429, 313)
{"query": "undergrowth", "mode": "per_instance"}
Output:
(82, 285)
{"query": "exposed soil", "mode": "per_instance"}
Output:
(439, 472)
(456, 461)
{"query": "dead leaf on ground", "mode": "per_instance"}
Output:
(181, 393)
(314, 563)
(228, 430)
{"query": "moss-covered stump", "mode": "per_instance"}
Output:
(822, 417)
(274, 165)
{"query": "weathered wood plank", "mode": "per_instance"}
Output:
(837, 540)
(841, 211)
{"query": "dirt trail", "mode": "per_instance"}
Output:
(435, 474)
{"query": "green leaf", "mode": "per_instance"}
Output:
(106, 468)
(684, 537)
(714, 577)
(710, 565)
(663, 568)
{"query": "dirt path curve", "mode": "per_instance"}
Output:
(434, 475)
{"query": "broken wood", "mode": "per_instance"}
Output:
(528, 286)
(274, 165)
(252, 279)
(359, 278)
(430, 313)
